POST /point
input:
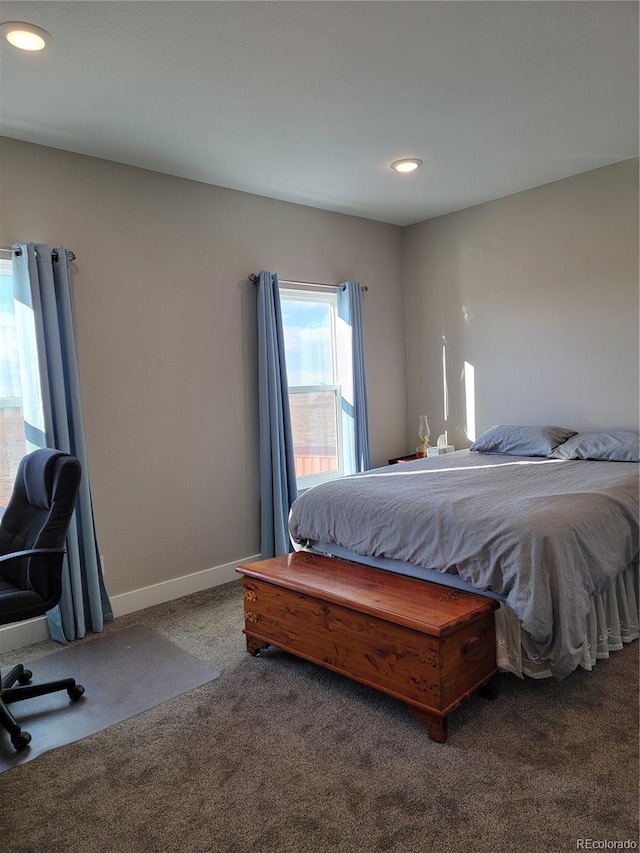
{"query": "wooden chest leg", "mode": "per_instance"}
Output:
(436, 726)
(254, 645)
(490, 690)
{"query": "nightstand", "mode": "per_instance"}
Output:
(408, 458)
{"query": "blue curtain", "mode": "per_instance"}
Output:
(53, 418)
(278, 488)
(355, 420)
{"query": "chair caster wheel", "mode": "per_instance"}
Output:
(21, 741)
(75, 692)
(26, 677)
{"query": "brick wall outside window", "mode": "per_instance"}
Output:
(12, 448)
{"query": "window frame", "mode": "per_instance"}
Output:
(329, 295)
(7, 470)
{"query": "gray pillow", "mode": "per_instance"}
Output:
(522, 440)
(609, 445)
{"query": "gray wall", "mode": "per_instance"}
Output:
(166, 342)
(539, 292)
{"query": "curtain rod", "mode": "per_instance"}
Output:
(254, 278)
(54, 253)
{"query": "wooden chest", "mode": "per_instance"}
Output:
(425, 644)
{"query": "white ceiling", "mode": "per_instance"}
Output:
(310, 101)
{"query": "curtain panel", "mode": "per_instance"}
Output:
(278, 488)
(355, 418)
(53, 418)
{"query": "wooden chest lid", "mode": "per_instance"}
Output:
(417, 604)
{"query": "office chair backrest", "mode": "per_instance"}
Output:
(38, 514)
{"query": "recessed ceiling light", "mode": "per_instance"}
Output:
(408, 164)
(25, 36)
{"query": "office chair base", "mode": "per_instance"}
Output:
(16, 673)
(20, 739)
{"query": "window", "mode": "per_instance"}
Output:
(314, 347)
(12, 438)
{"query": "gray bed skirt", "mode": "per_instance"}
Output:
(613, 619)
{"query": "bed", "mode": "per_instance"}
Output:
(543, 519)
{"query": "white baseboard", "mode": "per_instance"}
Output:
(21, 634)
(33, 630)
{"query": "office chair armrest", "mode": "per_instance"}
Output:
(38, 570)
(31, 552)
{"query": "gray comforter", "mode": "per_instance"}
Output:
(547, 534)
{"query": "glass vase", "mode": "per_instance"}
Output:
(424, 433)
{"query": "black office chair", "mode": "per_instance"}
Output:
(33, 529)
